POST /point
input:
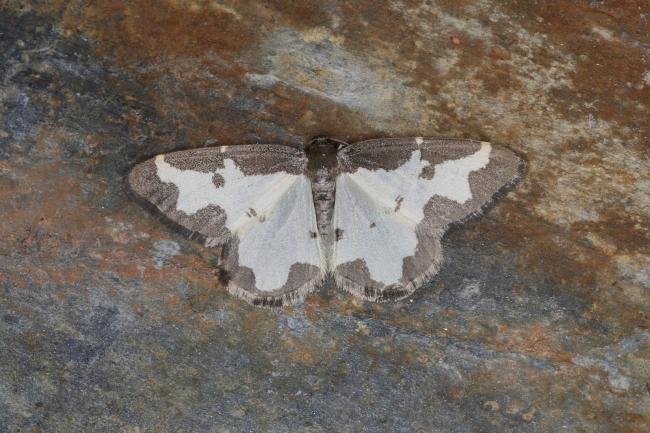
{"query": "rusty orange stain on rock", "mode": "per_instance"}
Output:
(534, 340)
(631, 233)
(150, 31)
(570, 24)
(298, 351)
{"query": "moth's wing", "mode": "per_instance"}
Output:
(395, 198)
(254, 200)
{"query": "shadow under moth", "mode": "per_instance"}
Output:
(371, 213)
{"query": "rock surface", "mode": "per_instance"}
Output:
(538, 321)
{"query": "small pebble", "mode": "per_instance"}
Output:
(528, 416)
(491, 405)
(237, 413)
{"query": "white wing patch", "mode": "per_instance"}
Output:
(377, 211)
(271, 214)
(381, 246)
(283, 238)
(238, 195)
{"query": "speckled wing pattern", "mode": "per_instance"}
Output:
(395, 198)
(255, 200)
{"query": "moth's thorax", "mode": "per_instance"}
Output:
(322, 167)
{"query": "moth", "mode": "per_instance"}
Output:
(371, 214)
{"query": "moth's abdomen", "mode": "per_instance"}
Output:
(323, 190)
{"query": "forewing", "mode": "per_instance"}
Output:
(395, 198)
(254, 200)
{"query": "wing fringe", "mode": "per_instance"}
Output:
(392, 293)
(274, 301)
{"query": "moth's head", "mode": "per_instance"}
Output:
(321, 152)
(324, 144)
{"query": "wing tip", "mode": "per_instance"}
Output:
(133, 182)
(136, 179)
(137, 191)
(517, 176)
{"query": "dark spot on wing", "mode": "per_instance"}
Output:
(268, 302)
(373, 225)
(339, 234)
(217, 180)
(312, 234)
(223, 276)
(392, 293)
(388, 293)
(251, 213)
(428, 172)
(398, 202)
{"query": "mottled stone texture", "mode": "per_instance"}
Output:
(537, 322)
